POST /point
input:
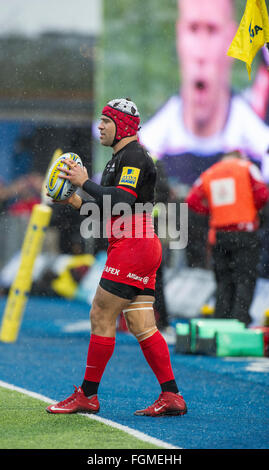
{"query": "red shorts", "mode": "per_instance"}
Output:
(133, 261)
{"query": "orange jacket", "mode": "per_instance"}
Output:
(228, 189)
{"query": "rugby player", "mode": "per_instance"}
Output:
(133, 257)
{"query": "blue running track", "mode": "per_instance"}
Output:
(228, 398)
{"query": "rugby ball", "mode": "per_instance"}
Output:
(60, 188)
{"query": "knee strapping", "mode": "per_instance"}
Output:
(154, 328)
(140, 306)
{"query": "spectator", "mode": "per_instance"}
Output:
(24, 193)
(232, 192)
(20, 195)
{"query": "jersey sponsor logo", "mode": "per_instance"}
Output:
(110, 167)
(145, 280)
(129, 176)
(109, 269)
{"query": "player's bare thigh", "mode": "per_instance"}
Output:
(138, 312)
(104, 312)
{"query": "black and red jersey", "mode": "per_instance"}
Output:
(133, 170)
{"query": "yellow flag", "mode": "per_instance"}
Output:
(252, 34)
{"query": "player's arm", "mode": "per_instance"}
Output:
(98, 192)
(127, 182)
(79, 177)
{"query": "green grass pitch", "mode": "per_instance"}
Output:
(25, 424)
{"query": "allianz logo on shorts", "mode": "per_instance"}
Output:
(111, 270)
(145, 280)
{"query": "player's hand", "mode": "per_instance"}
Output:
(74, 200)
(76, 174)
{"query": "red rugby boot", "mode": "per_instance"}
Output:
(168, 404)
(77, 402)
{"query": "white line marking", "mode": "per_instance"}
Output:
(77, 326)
(113, 424)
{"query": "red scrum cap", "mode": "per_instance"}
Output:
(125, 114)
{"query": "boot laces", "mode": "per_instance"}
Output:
(159, 402)
(69, 399)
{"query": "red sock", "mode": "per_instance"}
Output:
(100, 351)
(157, 354)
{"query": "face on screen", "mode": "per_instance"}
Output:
(204, 32)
